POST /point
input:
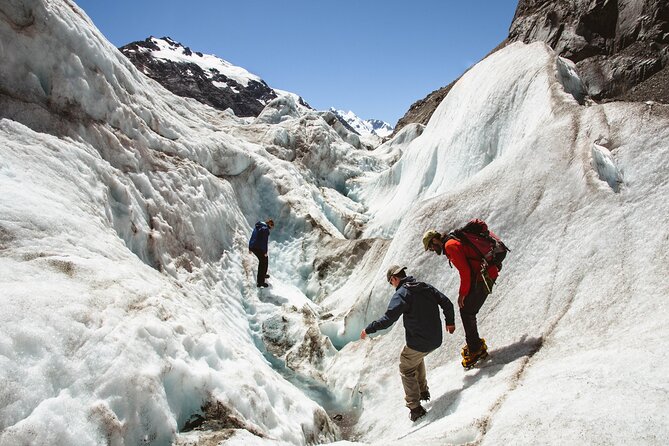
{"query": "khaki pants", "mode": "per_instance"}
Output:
(412, 371)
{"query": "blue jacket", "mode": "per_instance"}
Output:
(259, 238)
(419, 303)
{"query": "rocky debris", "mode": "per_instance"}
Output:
(335, 261)
(218, 423)
(188, 79)
(656, 86)
(340, 255)
(217, 416)
(215, 424)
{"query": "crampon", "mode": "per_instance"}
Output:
(469, 360)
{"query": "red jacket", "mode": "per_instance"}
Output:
(465, 259)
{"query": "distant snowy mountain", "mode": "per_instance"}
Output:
(364, 126)
(204, 77)
(222, 85)
(381, 128)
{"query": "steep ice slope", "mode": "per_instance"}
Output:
(579, 309)
(470, 131)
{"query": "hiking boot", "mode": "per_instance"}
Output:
(465, 350)
(417, 412)
(470, 360)
(264, 285)
(425, 396)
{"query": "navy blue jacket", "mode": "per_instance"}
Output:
(259, 238)
(419, 303)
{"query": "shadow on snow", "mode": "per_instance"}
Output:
(499, 358)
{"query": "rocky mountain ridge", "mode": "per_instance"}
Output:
(210, 80)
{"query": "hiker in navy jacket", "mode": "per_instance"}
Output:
(258, 246)
(419, 303)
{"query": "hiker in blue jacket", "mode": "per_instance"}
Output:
(419, 303)
(258, 246)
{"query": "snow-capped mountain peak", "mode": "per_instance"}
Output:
(204, 77)
(364, 126)
(212, 65)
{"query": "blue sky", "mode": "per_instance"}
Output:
(373, 57)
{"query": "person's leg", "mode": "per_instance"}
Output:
(473, 302)
(410, 362)
(421, 376)
(262, 268)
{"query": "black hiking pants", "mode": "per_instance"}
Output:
(473, 303)
(263, 261)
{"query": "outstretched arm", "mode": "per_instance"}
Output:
(395, 309)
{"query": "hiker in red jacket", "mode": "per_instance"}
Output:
(475, 285)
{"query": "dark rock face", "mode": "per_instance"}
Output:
(190, 80)
(620, 47)
(421, 110)
(617, 45)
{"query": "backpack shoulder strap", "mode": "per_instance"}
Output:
(464, 239)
